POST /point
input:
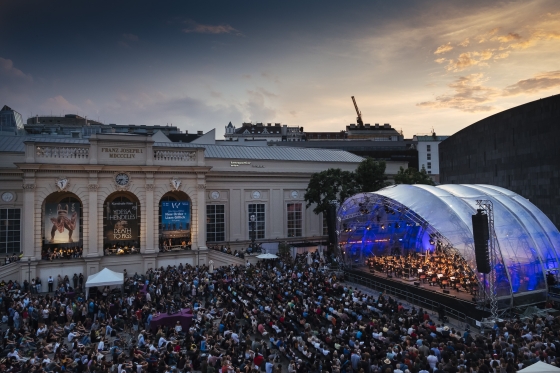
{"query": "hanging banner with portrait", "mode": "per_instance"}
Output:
(175, 218)
(122, 222)
(62, 223)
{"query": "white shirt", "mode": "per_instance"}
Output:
(161, 342)
(432, 360)
(71, 336)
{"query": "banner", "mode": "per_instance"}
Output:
(122, 222)
(175, 218)
(62, 223)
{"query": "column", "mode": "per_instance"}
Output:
(28, 221)
(201, 215)
(93, 248)
(148, 216)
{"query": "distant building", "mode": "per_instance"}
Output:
(11, 121)
(81, 127)
(428, 153)
(260, 131)
(375, 132)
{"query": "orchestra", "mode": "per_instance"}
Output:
(446, 270)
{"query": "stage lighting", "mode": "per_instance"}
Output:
(368, 227)
(382, 226)
(431, 242)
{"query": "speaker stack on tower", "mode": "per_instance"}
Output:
(481, 236)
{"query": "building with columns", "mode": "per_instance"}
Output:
(114, 194)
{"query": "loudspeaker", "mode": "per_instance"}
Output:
(331, 223)
(416, 283)
(445, 291)
(481, 236)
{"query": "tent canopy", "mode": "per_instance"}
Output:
(267, 256)
(105, 277)
(540, 367)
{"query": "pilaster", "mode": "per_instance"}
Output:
(149, 214)
(201, 212)
(93, 244)
(28, 220)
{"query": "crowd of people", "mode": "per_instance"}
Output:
(276, 316)
(446, 270)
(54, 252)
(227, 250)
(11, 258)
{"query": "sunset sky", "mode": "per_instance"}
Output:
(417, 65)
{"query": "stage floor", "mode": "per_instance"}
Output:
(462, 295)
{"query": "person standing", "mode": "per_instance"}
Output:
(50, 281)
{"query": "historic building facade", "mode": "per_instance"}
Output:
(116, 200)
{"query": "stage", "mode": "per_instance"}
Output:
(461, 301)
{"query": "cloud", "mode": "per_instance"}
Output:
(194, 27)
(539, 82)
(502, 55)
(488, 35)
(464, 43)
(440, 60)
(130, 37)
(444, 48)
(507, 38)
(536, 36)
(256, 107)
(59, 103)
(469, 59)
(469, 95)
(7, 68)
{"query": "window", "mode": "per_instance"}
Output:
(429, 165)
(294, 220)
(325, 225)
(429, 148)
(429, 156)
(215, 223)
(256, 209)
(430, 172)
(10, 231)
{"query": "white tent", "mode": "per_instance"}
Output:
(105, 277)
(267, 256)
(540, 367)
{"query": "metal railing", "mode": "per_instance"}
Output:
(410, 297)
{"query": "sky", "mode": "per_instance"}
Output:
(418, 65)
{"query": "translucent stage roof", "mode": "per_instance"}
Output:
(412, 217)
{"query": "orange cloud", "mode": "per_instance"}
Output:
(464, 43)
(444, 48)
(469, 94)
(440, 60)
(507, 38)
(539, 82)
(469, 59)
(487, 36)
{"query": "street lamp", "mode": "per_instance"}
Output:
(253, 223)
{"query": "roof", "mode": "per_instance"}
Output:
(16, 144)
(105, 277)
(269, 153)
(430, 138)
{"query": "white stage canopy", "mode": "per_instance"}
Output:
(105, 277)
(540, 367)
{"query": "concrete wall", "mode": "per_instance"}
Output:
(516, 149)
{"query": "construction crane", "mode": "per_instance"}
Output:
(359, 118)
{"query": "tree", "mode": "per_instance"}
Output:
(335, 184)
(412, 176)
(329, 185)
(370, 176)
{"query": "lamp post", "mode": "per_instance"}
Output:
(253, 223)
(29, 272)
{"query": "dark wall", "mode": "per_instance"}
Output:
(517, 149)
